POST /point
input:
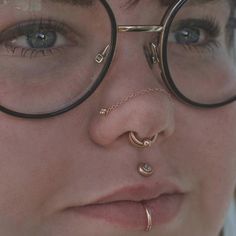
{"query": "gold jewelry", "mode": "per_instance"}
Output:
(141, 143)
(145, 169)
(101, 56)
(107, 111)
(149, 218)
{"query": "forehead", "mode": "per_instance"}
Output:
(128, 3)
(122, 4)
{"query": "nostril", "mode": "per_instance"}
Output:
(143, 120)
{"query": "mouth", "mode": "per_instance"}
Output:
(126, 209)
(131, 214)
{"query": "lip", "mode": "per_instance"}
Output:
(131, 214)
(125, 207)
(140, 192)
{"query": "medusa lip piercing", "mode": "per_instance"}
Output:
(106, 111)
(145, 169)
(141, 143)
(149, 218)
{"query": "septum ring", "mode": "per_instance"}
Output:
(141, 143)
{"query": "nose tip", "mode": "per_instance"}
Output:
(147, 113)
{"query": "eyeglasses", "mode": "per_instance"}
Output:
(57, 53)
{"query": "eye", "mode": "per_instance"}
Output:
(39, 40)
(194, 32)
(37, 37)
(190, 36)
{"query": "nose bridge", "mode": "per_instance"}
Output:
(137, 51)
(131, 63)
(147, 114)
(151, 47)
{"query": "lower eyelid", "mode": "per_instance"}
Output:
(9, 50)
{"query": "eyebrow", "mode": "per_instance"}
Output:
(170, 2)
(128, 4)
(165, 3)
(75, 2)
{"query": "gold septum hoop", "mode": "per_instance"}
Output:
(141, 143)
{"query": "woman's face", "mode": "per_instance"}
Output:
(76, 174)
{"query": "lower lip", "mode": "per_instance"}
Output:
(130, 214)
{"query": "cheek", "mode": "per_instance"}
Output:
(208, 140)
(31, 171)
(205, 153)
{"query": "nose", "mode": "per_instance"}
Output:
(131, 98)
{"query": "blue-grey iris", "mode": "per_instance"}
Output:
(187, 36)
(43, 39)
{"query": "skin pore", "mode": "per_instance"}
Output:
(50, 165)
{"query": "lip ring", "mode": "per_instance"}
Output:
(149, 218)
(133, 213)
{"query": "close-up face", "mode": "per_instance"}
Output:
(117, 117)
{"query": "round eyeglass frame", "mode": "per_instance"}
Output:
(162, 29)
(167, 20)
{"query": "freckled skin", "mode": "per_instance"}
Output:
(49, 164)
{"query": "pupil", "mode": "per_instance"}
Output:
(42, 39)
(188, 36)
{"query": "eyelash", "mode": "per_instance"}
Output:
(209, 26)
(26, 27)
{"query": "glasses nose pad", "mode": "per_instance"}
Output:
(100, 57)
(154, 53)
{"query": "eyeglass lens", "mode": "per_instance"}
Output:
(52, 52)
(48, 51)
(201, 51)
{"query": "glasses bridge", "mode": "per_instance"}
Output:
(140, 28)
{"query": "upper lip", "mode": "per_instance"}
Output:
(135, 193)
(139, 193)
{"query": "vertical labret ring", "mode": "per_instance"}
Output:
(149, 218)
